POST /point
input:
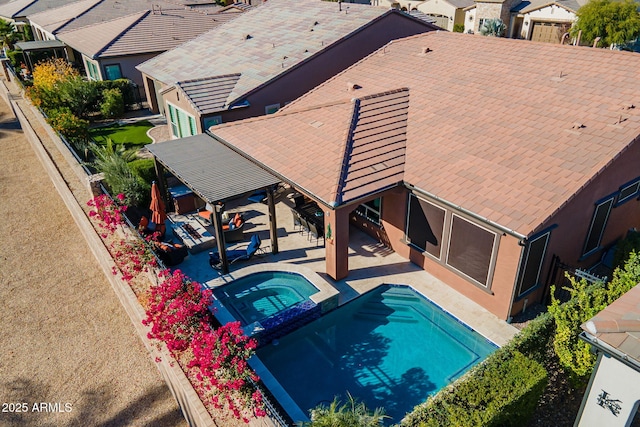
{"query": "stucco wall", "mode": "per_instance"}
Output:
(496, 298)
(127, 67)
(624, 394)
(441, 7)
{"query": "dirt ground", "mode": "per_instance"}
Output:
(66, 340)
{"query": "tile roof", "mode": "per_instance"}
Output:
(460, 4)
(508, 129)
(208, 95)
(618, 325)
(262, 43)
(108, 10)
(147, 31)
(527, 6)
(351, 149)
(51, 21)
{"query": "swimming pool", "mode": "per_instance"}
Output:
(258, 296)
(390, 347)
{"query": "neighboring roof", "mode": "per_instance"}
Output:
(148, 31)
(208, 95)
(421, 15)
(527, 6)
(262, 43)
(212, 170)
(508, 129)
(459, 4)
(618, 325)
(39, 45)
(108, 10)
(51, 21)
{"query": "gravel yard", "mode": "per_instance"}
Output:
(67, 342)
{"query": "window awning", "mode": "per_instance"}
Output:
(40, 45)
(212, 170)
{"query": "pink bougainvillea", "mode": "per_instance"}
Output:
(132, 257)
(220, 359)
(108, 213)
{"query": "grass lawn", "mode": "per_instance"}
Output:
(134, 134)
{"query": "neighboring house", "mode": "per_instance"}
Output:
(16, 11)
(487, 9)
(543, 20)
(478, 168)
(266, 58)
(612, 397)
(447, 13)
(111, 50)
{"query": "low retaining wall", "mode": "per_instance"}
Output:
(192, 408)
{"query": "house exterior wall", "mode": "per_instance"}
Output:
(178, 100)
(618, 406)
(573, 220)
(470, 20)
(496, 297)
(128, 68)
(441, 7)
(550, 13)
(486, 11)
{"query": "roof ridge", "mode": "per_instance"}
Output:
(59, 29)
(346, 154)
(142, 14)
(200, 79)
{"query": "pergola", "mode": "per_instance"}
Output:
(40, 45)
(216, 174)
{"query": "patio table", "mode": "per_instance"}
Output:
(192, 233)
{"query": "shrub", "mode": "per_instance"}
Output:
(74, 129)
(112, 105)
(15, 56)
(533, 339)
(624, 248)
(502, 391)
(458, 28)
(78, 94)
(586, 301)
(144, 168)
(351, 414)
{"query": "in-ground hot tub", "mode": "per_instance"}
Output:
(271, 300)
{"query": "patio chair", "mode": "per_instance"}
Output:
(304, 224)
(239, 254)
(313, 232)
(296, 219)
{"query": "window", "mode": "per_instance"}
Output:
(470, 249)
(598, 224)
(182, 124)
(533, 256)
(92, 70)
(270, 109)
(628, 191)
(425, 223)
(212, 121)
(113, 71)
(370, 210)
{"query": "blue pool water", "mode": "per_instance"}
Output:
(260, 295)
(390, 348)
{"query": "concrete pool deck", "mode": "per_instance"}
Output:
(370, 264)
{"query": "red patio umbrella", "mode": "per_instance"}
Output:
(158, 213)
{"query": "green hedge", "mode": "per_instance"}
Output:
(533, 340)
(502, 391)
(144, 168)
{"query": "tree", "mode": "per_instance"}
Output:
(7, 34)
(615, 22)
(351, 414)
(492, 27)
(79, 95)
(48, 76)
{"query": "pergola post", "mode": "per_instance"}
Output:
(273, 228)
(337, 245)
(222, 249)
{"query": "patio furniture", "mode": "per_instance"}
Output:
(296, 219)
(192, 233)
(235, 255)
(314, 232)
(148, 228)
(170, 253)
(231, 226)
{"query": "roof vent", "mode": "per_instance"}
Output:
(352, 86)
(628, 106)
(425, 50)
(247, 37)
(577, 125)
